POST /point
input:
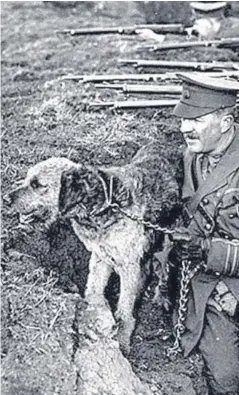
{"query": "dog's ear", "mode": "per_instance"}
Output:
(69, 187)
(70, 178)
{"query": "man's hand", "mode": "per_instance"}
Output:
(150, 36)
(187, 247)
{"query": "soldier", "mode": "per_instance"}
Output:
(211, 9)
(211, 219)
(210, 21)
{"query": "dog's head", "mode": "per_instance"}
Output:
(36, 198)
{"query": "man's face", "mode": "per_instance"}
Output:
(202, 134)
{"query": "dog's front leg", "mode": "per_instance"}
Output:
(130, 276)
(99, 273)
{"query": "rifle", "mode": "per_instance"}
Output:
(222, 43)
(119, 77)
(202, 66)
(162, 28)
(131, 104)
(168, 89)
(139, 77)
(135, 103)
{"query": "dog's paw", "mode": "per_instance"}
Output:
(125, 330)
(125, 349)
(124, 345)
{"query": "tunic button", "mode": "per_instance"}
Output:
(231, 215)
(226, 237)
(208, 226)
(205, 201)
(217, 274)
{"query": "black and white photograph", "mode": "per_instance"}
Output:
(120, 197)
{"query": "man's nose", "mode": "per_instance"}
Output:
(186, 126)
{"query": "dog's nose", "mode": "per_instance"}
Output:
(11, 197)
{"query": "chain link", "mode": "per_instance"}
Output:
(148, 224)
(187, 273)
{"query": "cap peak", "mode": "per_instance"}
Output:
(208, 6)
(202, 95)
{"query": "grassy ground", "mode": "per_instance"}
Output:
(44, 117)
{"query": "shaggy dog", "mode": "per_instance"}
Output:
(106, 207)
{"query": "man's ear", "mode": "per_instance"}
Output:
(226, 122)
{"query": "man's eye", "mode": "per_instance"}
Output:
(35, 183)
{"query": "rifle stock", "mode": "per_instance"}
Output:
(164, 89)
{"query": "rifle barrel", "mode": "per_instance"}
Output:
(160, 28)
(136, 103)
(202, 66)
(227, 42)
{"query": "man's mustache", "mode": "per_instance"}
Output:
(190, 136)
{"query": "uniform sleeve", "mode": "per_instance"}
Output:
(223, 257)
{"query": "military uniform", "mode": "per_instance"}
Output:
(211, 214)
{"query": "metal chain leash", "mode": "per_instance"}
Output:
(187, 273)
(148, 224)
(116, 206)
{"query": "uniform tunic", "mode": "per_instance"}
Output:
(212, 212)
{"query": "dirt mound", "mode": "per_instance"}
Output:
(37, 333)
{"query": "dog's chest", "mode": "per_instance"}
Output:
(125, 241)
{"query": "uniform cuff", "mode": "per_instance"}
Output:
(223, 257)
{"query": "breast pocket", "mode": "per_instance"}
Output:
(228, 213)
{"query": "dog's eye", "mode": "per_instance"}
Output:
(35, 183)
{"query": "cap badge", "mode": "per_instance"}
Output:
(186, 94)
